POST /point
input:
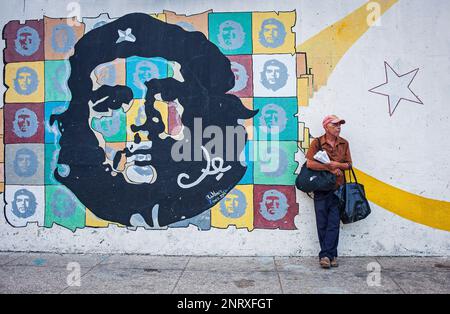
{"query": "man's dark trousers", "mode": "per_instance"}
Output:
(328, 221)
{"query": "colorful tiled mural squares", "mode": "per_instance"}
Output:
(270, 78)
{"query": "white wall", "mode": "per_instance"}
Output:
(408, 150)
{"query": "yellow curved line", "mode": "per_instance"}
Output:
(326, 49)
(426, 211)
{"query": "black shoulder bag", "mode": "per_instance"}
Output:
(353, 204)
(315, 180)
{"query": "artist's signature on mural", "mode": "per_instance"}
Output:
(214, 196)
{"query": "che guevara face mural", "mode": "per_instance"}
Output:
(151, 186)
(155, 122)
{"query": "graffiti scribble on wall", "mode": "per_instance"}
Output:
(93, 111)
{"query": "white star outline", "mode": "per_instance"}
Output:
(403, 91)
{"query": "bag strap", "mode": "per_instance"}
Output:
(359, 186)
(320, 145)
(354, 175)
(345, 176)
(351, 171)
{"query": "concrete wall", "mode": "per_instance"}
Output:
(398, 143)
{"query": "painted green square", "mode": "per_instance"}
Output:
(170, 71)
(56, 75)
(279, 112)
(283, 172)
(231, 32)
(63, 208)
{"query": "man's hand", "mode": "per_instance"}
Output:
(337, 172)
(333, 165)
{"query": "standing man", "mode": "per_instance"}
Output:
(325, 202)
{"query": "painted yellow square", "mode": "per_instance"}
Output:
(12, 96)
(219, 220)
(136, 115)
(303, 91)
(287, 19)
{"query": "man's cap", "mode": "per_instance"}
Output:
(332, 119)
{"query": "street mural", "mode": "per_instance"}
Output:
(93, 111)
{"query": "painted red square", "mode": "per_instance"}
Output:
(30, 44)
(239, 64)
(20, 124)
(271, 199)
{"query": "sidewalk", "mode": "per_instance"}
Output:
(50, 273)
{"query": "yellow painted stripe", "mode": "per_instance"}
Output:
(426, 211)
(326, 49)
(305, 143)
(302, 91)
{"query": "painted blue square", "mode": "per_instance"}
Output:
(140, 70)
(249, 158)
(52, 133)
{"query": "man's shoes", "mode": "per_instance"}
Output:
(325, 262)
(334, 262)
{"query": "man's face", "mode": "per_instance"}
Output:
(270, 32)
(271, 118)
(272, 204)
(23, 162)
(25, 40)
(24, 80)
(22, 203)
(231, 203)
(334, 128)
(24, 122)
(272, 74)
